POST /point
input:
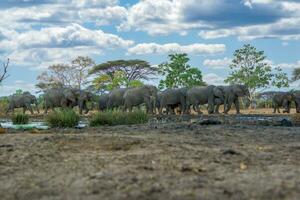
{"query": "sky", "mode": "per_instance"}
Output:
(37, 33)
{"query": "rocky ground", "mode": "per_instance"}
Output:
(163, 161)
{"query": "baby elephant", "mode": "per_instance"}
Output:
(24, 101)
(282, 99)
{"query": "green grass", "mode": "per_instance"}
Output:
(20, 118)
(118, 118)
(62, 118)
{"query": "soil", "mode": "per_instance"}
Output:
(152, 161)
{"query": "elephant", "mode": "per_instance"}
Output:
(146, 94)
(24, 101)
(232, 94)
(297, 100)
(59, 97)
(172, 98)
(81, 99)
(102, 102)
(115, 98)
(200, 95)
(283, 99)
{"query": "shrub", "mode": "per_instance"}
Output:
(118, 118)
(20, 118)
(62, 118)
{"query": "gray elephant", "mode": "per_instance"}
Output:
(59, 97)
(297, 100)
(82, 97)
(115, 99)
(102, 102)
(232, 94)
(24, 101)
(146, 94)
(283, 99)
(200, 95)
(172, 98)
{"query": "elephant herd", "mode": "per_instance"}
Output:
(185, 100)
(285, 100)
(52, 98)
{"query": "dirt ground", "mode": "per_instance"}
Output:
(167, 161)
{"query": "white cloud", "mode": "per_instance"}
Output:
(159, 17)
(59, 44)
(69, 36)
(285, 29)
(103, 16)
(9, 89)
(197, 49)
(213, 79)
(217, 63)
(289, 65)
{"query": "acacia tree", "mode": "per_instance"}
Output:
(178, 73)
(249, 67)
(72, 75)
(121, 73)
(4, 75)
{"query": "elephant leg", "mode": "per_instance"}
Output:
(229, 104)
(24, 109)
(274, 108)
(217, 109)
(237, 105)
(30, 109)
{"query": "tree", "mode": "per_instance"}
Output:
(249, 67)
(178, 73)
(72, 75)
(80, 67)
(296, 74)
(121, 73)
(118, 79)
(4, 75)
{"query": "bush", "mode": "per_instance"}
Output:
(20, 118)
(62, 118)
(118, 118)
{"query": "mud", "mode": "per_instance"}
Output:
(166, 161)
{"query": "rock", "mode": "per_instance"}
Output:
(210, 122)
(286, 122)
(231, 152)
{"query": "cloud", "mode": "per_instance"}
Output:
(197, 49)
(59, 44)
(217, 63)
(213, 79)
(9, 89)
(163, 17)
(69, 36)
(289, 65)
(285, 29)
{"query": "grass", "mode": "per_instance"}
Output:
(20, 118)
(118, 118)
(62, 118)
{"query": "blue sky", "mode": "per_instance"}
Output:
(37, 33)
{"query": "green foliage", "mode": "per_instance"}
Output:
(118, 118)
(20, 118)
(121, 73)
(62, 118)
(249, 67)
(19, 92)
(4, 101)
(296, 74)
(178, 73)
